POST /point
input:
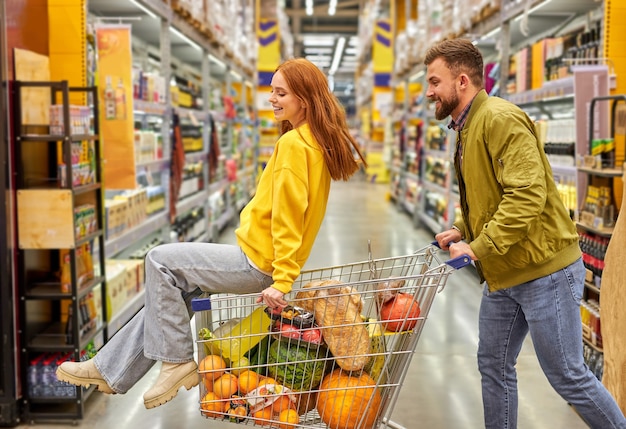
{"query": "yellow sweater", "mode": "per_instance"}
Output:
(279, 225)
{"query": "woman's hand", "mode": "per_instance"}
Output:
(273, 298)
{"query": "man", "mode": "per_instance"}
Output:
(518, 231)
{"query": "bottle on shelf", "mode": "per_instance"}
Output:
(109, 100)
(120, 100)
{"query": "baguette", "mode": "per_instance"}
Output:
(337, 312)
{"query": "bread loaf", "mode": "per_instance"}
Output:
(337, 312)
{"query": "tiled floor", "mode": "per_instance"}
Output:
(442, 388)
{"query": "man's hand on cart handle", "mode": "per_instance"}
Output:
(450, 240)
(272, 297)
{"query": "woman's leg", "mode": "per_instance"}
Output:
(127, 347)
(175, 273)
(172, 270)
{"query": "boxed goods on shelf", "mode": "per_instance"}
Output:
(79, 119)
(48, 219)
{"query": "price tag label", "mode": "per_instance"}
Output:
(587, 218)
(193, 119)
(589, 161)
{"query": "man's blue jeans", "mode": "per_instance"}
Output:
(548, 308)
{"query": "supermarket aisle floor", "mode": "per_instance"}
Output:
(442, 389)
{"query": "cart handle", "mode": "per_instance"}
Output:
(458, 262)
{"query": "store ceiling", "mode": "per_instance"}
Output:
(317, 34)
(318, 28)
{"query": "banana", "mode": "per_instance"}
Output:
(379, 352)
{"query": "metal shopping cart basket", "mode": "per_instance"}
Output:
(335, 358)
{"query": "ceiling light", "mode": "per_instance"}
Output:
(318, 41)
(185, 38)
(311, 50)
(217, 61)
(145, 9)
(332, 7)
(341, 42)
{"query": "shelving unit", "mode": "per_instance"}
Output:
(167, 44)
(172, 45)
(61, 247)
(596, 223)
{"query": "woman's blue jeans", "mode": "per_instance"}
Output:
(161, 331)
(548, 308)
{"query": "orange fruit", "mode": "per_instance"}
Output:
(263, 416)
(208, 384)
(267, 380)
(288, 419)
(282, 403)
(225, 386)
(212, 406)
(237, 413)
(248, 381)
(212, 367)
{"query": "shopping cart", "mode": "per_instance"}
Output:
(335, 358)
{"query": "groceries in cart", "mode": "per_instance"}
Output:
(334, 358)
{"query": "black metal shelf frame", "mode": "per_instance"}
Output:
(53, 337)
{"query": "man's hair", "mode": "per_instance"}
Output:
(461, 56)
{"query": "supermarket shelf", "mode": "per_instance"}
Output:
(602, 172)
(224, 218)
(133, 235)
(592, 345)
(411, 176)
(160, 163)
(564, 169)
(592, 287)
(604, 232)
(439, 154)
(191, 201)
(54, 137)
(430, 223)
(196, 156)
(123, 316)
(202, 238)
(51, 290)
(409, 207)
(218, 186)
(146, 107)
(435, 188)
(54, 338)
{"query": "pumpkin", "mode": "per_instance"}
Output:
(343, 402)
(400, 313)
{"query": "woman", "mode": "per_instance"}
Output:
(276, 233)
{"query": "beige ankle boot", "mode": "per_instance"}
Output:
(82, 374)
(172, 377)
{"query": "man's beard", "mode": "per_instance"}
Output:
(447, 106)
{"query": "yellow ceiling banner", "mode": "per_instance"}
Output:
(382, 47)
(268, 34)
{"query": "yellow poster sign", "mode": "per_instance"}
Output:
(268, 34)
(382, 47)
(116, 105)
